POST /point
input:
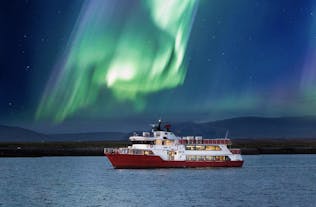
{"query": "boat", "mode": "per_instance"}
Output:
(161, 148)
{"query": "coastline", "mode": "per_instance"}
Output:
(95, 148)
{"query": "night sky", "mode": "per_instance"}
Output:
(101, 65)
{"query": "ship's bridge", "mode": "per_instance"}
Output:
(145, 138)
(157, 133)
(160, 135)
(156, 138)
(164, 135)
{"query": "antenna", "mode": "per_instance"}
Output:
(226, 135)
(159, 125)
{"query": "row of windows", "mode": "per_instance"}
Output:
(162, 133)
(143, 142)
(206, 158)
(202, 147)
(136, 152)
(157, 142)
(164, 142)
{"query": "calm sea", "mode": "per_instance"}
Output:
(265, 180)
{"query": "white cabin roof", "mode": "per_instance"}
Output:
(146, 136)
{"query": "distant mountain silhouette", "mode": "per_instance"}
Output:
(90, 136)
(253, 127)
(242, 127)
(18, 134)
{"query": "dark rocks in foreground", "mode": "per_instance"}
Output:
(278, 150)
(248, 147)
(276, 146)
(57, 148)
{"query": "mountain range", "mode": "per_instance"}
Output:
(253, 127)
(241, 127)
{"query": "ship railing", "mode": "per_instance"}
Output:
(127, 151)
(123, 150)
(235, 151)
(204, 141)
(110, 150)
(116, 151)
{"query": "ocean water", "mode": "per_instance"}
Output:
(265, 180)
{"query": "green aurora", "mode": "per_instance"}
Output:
(130, 54)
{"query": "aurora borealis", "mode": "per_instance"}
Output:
(96, 62)
(124, 58)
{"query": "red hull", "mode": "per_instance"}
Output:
(123, 161)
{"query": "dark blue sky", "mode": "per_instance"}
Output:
(243, 58)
